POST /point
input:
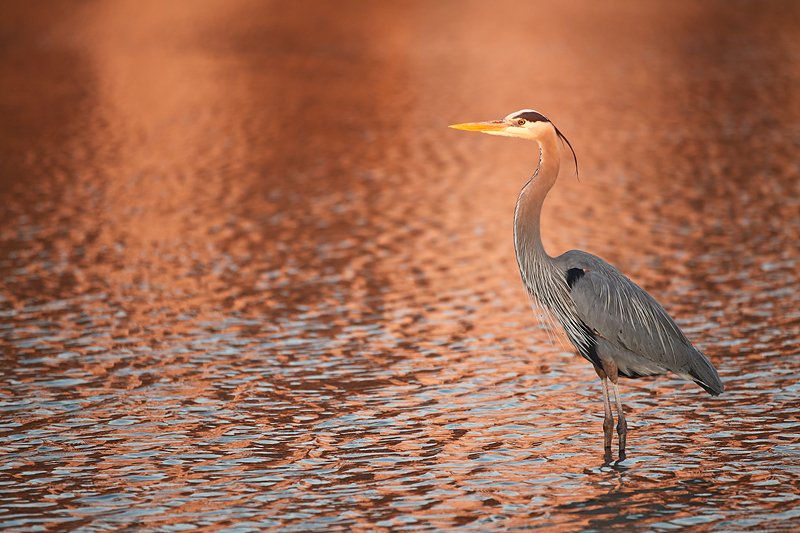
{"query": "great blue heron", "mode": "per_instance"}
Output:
(611, 321)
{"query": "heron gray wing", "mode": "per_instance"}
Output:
(615, 308)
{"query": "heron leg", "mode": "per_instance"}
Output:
(608, 420)
(622, 424)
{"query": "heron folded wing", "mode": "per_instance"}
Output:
(623, 313)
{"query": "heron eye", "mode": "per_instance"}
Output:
(521, 122)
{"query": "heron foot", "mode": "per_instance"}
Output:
(607, 457)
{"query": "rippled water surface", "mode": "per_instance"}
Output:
(251, 281)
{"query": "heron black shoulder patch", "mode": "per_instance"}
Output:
(573, 275)
(532, 116)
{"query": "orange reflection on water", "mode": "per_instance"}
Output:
(251, 279)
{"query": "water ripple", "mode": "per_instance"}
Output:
(251, 282)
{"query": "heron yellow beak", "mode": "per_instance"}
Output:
(485, 127)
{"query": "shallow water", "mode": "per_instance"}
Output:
(251, 281)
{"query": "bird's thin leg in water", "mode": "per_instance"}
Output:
(622, 425)
(608, 421)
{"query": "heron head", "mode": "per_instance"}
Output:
(523, 124)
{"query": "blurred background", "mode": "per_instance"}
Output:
(250, 279)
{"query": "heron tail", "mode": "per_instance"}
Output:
(704, 374)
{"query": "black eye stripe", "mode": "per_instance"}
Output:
(532, 116)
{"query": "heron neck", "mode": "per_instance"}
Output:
(527, 213)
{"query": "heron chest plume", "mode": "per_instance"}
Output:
(544, 281)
